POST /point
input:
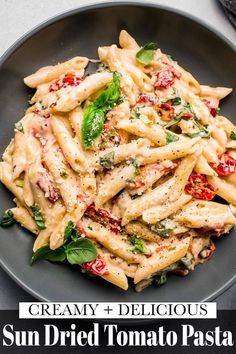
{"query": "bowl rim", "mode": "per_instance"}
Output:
(95, 6)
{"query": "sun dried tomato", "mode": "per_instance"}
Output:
(104, 217)
(96, 267)
(68, 80)
(213, 110)
(146, 99)
(186, 115)
(225, 166)
(166, 111)
(199, 187)
(166, 77)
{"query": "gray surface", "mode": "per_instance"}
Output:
(17, 17)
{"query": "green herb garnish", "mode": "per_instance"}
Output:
(170, 137)
(94, 115)
(80, 251)
(38, 217)
(146, 53)
(75, 250)
(136, 166)
(64, 175)
(172, 249)
(71, 231)
(19, 127)
(163, 229)
(176, 101)
(189, 107)
(20, 183)
(7, 219)
(101, 67)
(138, 245)
(233, 136)
(188, 261)
(160, 279)
(107, 160)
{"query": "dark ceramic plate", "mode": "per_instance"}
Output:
(206, 54)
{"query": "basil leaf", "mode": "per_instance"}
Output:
(176, 101)
(107, 160)
(233, 136)
(80, 251)
(188, 261)
(71, 231)
(163, 229)
(92, 125)
(111, 95)
(161, 279)
(7, 219)
(40, 253)
(138, 244)
(94, 115)
(19, 127)
(170, 138)
(146, 53)
(57, 255)
(38, 217)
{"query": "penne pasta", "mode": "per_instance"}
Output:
(115, 171)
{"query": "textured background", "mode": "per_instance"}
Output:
(19, 16)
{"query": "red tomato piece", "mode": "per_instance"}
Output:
(146, 99)
(212, 109)
(186, 115)
(165, 79)
(68, 80)
(104, 217)
(96, 267)
(226, 165)
(199, 187)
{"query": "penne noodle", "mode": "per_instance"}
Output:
(162, 259)
(49, 73)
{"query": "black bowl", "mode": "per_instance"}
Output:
(206, 54)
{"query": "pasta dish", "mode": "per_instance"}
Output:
(127, 172)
